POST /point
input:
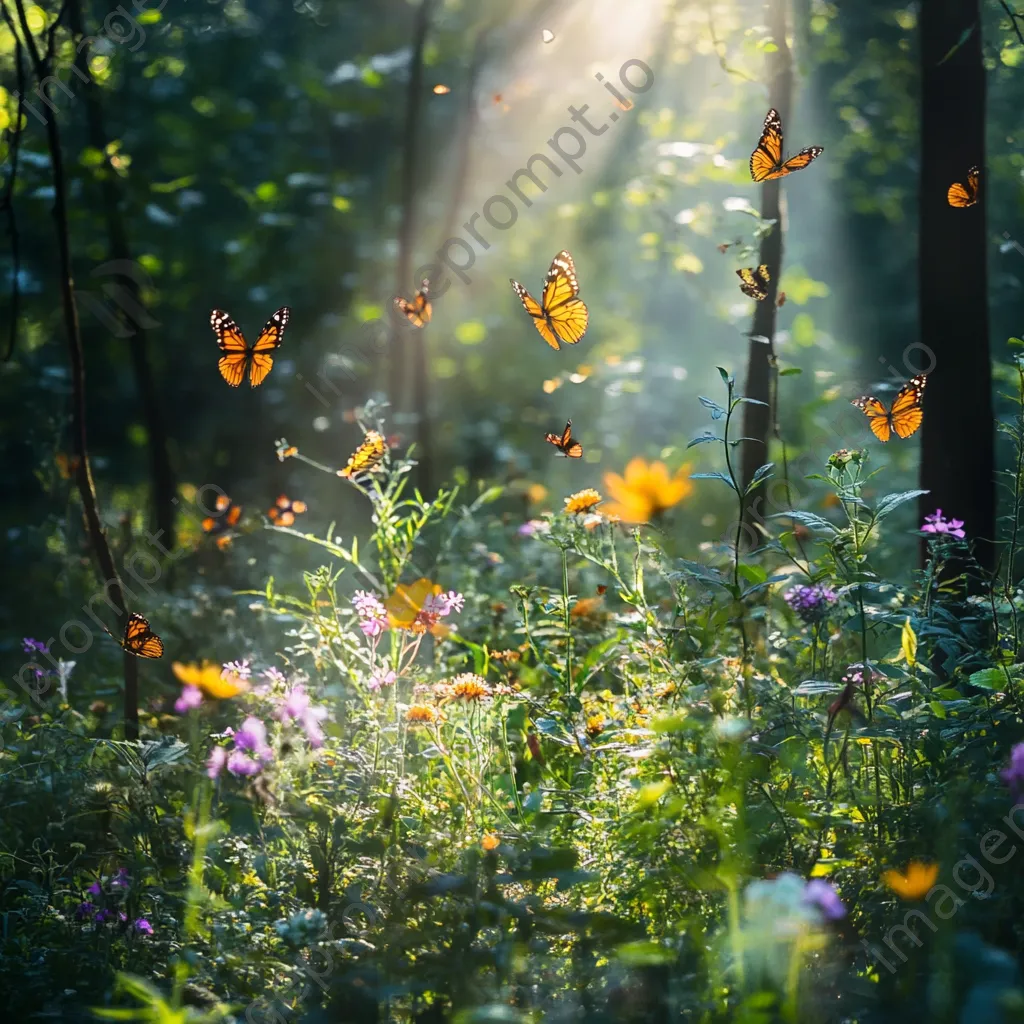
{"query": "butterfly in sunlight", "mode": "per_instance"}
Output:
(566, 443)
(766, 161)
(367, 456)
(965, 195)
(903, 417)
(560, 315)
(139, 639)
(238, 355)
(418, 311)
(221, 526)
(754, 281)
(285, 510)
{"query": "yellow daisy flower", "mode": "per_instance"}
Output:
(421, 714)
(211, 679)
(582, 501)
(916, 883)
(646, 490)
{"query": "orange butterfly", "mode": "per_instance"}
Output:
(754, 281)
(965, 195)
(766, 161)
(418, 311)
(560, 315)
(285, 510)
(566, 444)
(367, 456)
(67, 465)
(238, 355)
(140, 640)
(221, 526)
(903, 417)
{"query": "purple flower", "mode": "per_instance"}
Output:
(95, 889)
(275, 677)
(191, 697)
(30, 646)
(241, 764)
(823, 895)
(142, 926)
(937, 523)
(1013, 773)
(381, 679)
(104, 915)
(121, 880)
(531, 527)
(811, 603)
(84, 910)
(373, 617)
(858, 674)
(242, 669)
(252, 752)
(215, 765)
(296, 706)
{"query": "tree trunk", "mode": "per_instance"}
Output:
(957, 436)
(758, 419)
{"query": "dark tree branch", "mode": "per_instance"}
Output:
(161, 473)
(1014, 19)
(83, 474)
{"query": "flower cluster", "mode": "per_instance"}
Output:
(582, 502)
(373, 618)
(420, 606)
(937, 523)
(251, 755)
(116, 885)
(296, 707)
(811, 602)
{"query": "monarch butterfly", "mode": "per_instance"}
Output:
(418, 311)
(67, 465)
(560, 315)
(566, 443)
(220, 526)
(965, 195)
(903, 417)
(284, 511)
(367, 456)
(238, 355)
(139, 639)
(766, 161)
(754, 281)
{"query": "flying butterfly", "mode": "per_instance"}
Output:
(754, 281)
(903, 417)
(367, 456)
(284, 511)
(560, 315)
(965, 195)
(418, 311)
(221, 526)
(566, 443)
(766, 162)
(139, 639)
(238, 355)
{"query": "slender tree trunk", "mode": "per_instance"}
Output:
(758, 419)
(42, 65)
(957, 436)
(161, 473)
(407, 228)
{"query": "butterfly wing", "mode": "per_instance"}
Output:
(766, 160)
(754, 281)
(366, 456)
(801, 160)
(877, 414)
(566, 313)
(532, 307)
(419, 310)
(270, 338)
(906, 413)
(960, 195)
(140, 640)
(232, 344)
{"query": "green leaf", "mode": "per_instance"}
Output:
(1015, 342)
(726, 379)
(704, 438)
(937, 709)
(752, 573)
(988, 679)
(762, 473)
(717, 411)
(891, 502)
(809, 519)
(791, 371)
(908, 643)
(712, 476)
(644, 954)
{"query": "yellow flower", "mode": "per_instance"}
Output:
(468, 686)
(421, 714)
(916, 883)
(646, 490)
(211, 679)
(595, 725)
(582, 501)
(405, 605)
(490, 842)
(536, 493)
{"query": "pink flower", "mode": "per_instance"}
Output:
(191, 697)
(373, 618)
(242, 669)
(143, 927)
(215, 764)
(937, 523)
(296, 706)
(380, 679)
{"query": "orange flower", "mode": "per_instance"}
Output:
(421, 714)
(588, 607)
(211, 679)
(405, 608)
(490, 842)
(468, 686)
(916, 883)
(536, 493)
(582, 501)
(646, 490)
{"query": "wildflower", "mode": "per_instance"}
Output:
(84, 909)
(843, 457)
(95, 889)
(532, 527)
(242, 668)
(937, 523)
(30, 646)
(274, 676)
(823, 895)
(490, 842)
(421, 714)
(191, 697)
(211, 679)
(582, 501)
(812, 603)
(373, 619)
(508, 656)
(646, 490)
(252, 751)
(536, 493)
(121, 880)
(142, 926)
(296, 706)
(915, 883)
(858, 674)
(468, 686)
(104, 915)
(421, 605)
(1013, 773)
(595, 725)
(380, 679)
(216, 762)
(285, 450)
